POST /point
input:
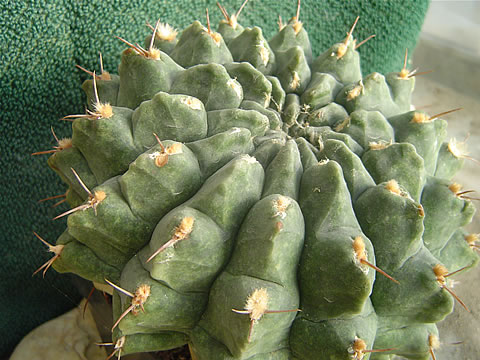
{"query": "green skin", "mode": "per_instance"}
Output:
(134, 68)
(73, 199)
(247, 47)
(287, 38)
(62, 162)
(278, 94)
(416, 276)
(293, 70)
(279, 247)
(173, 182)
(291, 110)
(270, 135)
(373, 93)
(321, 91)
(266, 151)
(256, 86)
(379, 211)
(307, 153)
(457, 253)
(211, 84)
(327, 115)
(332, 338)
(229, 32)
(107, 90)
(164, 45)
(151, 342)
(270, 333)
(197, 46)
(215, 151)
(330, 231)
(273, 116)
(215, 222)
(170, 117)
(410, 340)
(165, 308)
(366, 127)
(284, 173)
(311, 144)
(447, 163)
(79, 259)
(223, 120)
(105, 139)
(355, 174)
(112, 243)
(398, 161)
(346, 69)
(401, 90)
(318, 135)
(205, 346)
(437, 199)
(426, 137)
(207, 238)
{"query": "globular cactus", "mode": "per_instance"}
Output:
(257, 203)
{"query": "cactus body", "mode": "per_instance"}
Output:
(252, 189)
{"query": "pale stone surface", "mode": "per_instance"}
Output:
(67, 337)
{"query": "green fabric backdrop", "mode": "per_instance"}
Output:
(41, 41)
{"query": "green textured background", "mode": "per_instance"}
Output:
(41, 41)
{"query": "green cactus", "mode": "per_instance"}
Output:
(256, 203)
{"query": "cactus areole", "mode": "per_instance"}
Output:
(253, 202)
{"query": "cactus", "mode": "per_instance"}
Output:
(254, 202)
